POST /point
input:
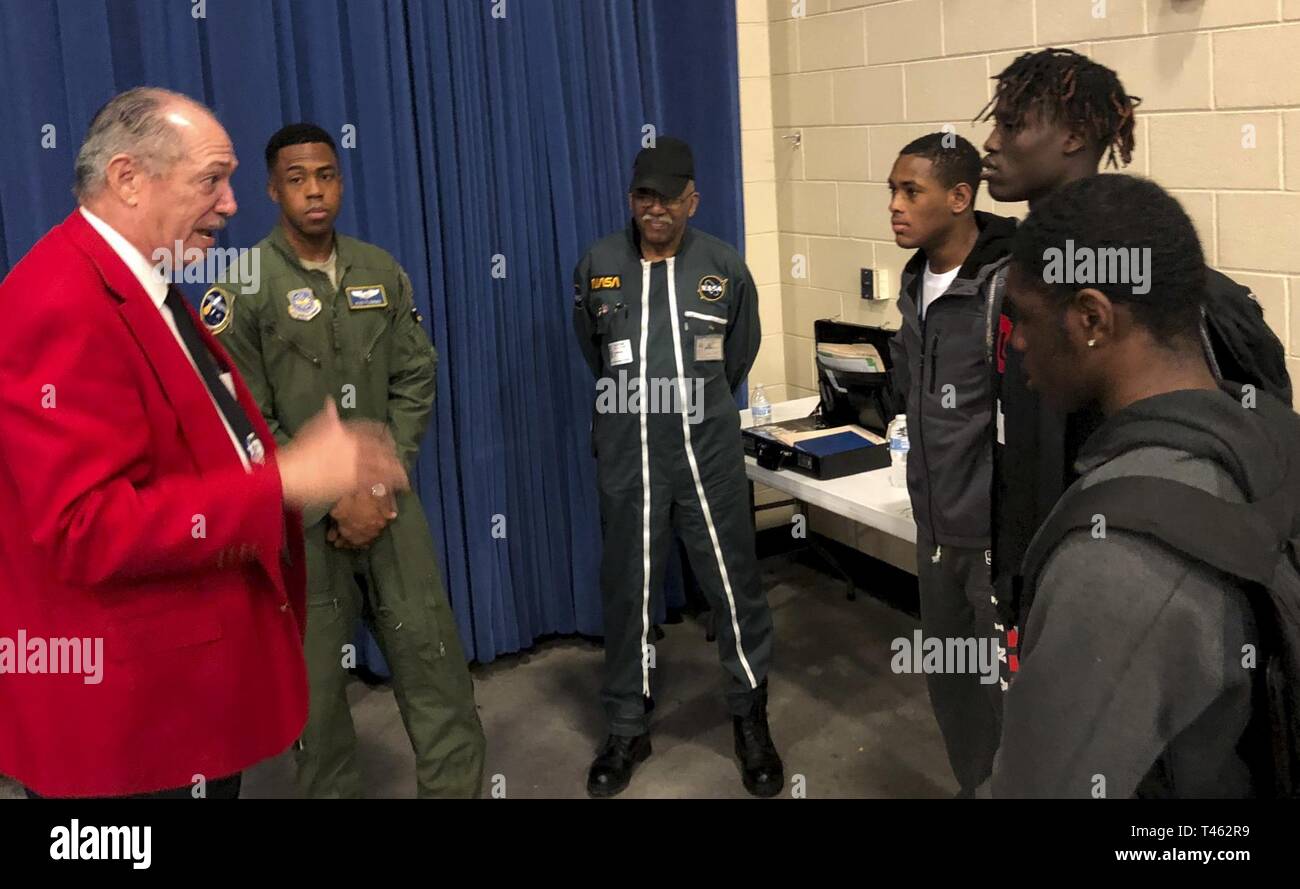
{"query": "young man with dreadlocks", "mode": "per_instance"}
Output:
(1056, 115)
(941, 370)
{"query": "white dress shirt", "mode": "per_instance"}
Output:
(156, 286)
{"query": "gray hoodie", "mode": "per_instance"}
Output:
(1131, 679)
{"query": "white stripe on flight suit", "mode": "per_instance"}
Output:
(645, 484)
(695, 472)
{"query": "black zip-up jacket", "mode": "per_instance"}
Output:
(941, 369)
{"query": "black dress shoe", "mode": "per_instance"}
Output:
(760, 764)
(612, 769)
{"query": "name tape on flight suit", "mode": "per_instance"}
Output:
(367, 296)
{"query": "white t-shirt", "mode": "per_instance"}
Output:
(933, 286)
(328, 267)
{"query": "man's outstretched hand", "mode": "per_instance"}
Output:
(328, 460)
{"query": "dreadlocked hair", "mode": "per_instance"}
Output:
(1073, 89)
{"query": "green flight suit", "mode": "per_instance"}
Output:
(297, 340)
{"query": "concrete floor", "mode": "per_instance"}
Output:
(841, 719)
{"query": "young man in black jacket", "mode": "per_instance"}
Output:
(941, 368)
(1056, 115)
(1135, 676)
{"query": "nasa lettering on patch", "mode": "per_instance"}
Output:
(367, 296)
(712, 288)
(216, 309)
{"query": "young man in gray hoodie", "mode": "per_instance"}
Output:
(1134, 678)
(941, 367)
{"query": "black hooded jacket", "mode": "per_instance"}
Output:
(941, 369)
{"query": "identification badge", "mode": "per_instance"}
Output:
(620, 352)
(708, 348)
(303, 304)
(367, 296)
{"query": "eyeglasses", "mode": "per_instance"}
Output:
(646, 199)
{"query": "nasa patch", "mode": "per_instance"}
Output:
(712, 288)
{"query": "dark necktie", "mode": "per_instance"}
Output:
(208, 370)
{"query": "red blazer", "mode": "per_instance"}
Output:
(126, 516)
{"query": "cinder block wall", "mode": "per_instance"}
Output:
(762, 244)
(1219, 126)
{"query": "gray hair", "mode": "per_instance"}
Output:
(129, 123)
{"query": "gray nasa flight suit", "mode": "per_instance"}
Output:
(640, 324)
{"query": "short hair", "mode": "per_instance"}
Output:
(296, 134)
(955, 159)
(131, 123)
(1108, 211)
(1071, 88)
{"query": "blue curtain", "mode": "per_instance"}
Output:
(482, 144)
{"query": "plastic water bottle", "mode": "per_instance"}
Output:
(759, 407)
(898, 446)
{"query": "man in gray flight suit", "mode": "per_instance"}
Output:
(667, 319)
(334, 317)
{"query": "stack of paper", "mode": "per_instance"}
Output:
(850, 357)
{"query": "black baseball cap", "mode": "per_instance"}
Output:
(664, 168)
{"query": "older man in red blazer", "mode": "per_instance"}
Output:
(152, 606)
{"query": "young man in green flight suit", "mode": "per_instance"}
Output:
(334, 317)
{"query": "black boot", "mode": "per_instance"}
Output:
(612, 769)
(760, 764)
